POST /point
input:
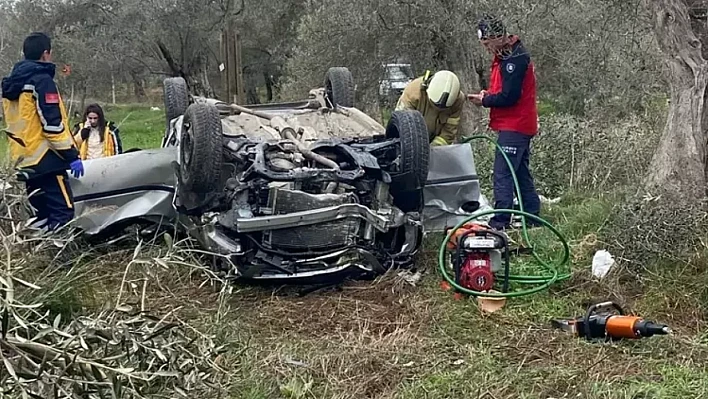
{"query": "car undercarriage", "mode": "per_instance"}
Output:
(300, 191)
(278, 205)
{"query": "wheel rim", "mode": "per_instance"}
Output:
(392, 132)
(328, 91)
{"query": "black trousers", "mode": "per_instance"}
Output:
(53, 200)
(517, 147)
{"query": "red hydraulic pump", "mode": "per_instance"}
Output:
(477, 252)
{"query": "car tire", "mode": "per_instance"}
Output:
(201, 147)
(339, 86)
(407, 183)
(176, 97)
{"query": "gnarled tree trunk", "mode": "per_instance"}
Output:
(672, 225)
(678, 167)
(194, 71)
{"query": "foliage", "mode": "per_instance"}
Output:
(122, 350)
(586, 55)
(603, 104)
(582, 154)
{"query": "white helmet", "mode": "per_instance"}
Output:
(443, 88)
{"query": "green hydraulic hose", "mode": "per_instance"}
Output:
(544, 280)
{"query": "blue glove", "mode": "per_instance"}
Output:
(77, 168)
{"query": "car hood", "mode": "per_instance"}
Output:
(136, 185)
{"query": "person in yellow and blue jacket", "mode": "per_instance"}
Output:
(40, 141)
(438, 97)
(96, 137)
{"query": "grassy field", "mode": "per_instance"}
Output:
(140, 126)
(391, 339)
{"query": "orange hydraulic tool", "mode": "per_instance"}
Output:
(610, 326)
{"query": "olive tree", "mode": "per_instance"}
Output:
(679, 163)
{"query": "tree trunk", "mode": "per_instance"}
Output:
(252, 96)
(232, 75)
(678, 166)
(113, 88)
(84, 93)
(193, 71)
(138, 87)
(472, 116)
(269, 86)
(440, 54)
(198, 82)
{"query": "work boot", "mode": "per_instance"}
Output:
(530, 223)
(498, 225)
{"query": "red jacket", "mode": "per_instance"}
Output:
(512, 92)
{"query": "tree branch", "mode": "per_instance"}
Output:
(167, 56)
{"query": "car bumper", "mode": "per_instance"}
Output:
(346, 259)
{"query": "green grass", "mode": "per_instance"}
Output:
(389, 339)
(397, 341)
(140, 126)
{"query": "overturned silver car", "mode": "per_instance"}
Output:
(297, 190)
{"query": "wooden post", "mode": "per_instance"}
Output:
(223, 67)
(238, 68)
(113, 87)
(232, 72)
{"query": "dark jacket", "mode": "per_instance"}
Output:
(37, 123)
(512, 92)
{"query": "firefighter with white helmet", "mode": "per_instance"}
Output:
(438, 97)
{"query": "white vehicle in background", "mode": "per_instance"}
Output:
(395, 78)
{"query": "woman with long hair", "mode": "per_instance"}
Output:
(96, 137)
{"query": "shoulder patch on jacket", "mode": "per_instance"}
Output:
(51, 98)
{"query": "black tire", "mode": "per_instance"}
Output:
(201, 146)
(176, 97)
(408, 182)
(339, 86)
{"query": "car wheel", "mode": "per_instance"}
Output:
(339, 86)
(201, 149)
(408, 181)
(176, 97)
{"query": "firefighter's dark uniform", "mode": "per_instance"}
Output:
(41, 145)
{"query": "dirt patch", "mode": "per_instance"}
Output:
(381, 308)
(360, 341)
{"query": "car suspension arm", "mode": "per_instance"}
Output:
(288, 132)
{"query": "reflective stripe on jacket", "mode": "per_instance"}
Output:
(39, 138)
(442, 123)
(111, 141)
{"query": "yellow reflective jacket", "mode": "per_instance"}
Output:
(442, 123)
(111, 141)
(37, 123)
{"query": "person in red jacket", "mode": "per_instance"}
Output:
(511, 99)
